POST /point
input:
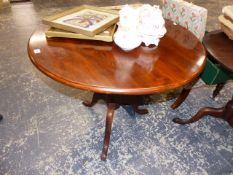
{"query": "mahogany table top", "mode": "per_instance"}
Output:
(220, 47)
(104, 68)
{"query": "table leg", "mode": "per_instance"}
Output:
(180, 99)
(225, 113)
(114, 102)
(139, 111)
(136, 101)
(96, 97)
(184, 94)
(108, 129)
(218, 89)
(1, 117)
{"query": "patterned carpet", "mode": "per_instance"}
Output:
(46, 129)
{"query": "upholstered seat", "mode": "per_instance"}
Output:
(193, 18)
(186, 14)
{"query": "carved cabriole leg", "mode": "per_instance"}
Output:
(108, 127)
(180, 99)
(94, 100)
(218, 89)
(138, 110)
(114, 102)
(136, 102)
(183, 95)
(225, 113)
(216, 112)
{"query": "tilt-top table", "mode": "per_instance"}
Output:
(116, 76)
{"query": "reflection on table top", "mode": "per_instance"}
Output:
(103, 67)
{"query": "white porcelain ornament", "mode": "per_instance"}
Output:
(151, 25)
(126, 35)
(144, 24)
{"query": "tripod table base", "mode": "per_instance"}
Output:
(225, 113)
(113, 103)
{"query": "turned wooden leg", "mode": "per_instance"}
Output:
(94, 100)
(108, 128)
(180, 99)
(218, 89)
(138, 110)
(216, 112)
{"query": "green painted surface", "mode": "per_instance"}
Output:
(214, 74)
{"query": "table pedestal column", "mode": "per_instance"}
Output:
(225, 113)
(113, 103)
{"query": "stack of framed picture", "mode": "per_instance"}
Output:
(83, 22)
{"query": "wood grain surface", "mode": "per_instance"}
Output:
(220, 47)
(104, 68)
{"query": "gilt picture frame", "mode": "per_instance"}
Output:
(106, 35)
(86, 20)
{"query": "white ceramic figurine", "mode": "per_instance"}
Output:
(126, 36)
(144, 24)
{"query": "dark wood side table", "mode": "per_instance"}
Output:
(220, 47)
(116, 76)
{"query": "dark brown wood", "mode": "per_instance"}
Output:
(217, 89)
(1, 117)
(180, 99)
(96, 97)
(183, 95)
(225, 113)
(108, 129)
(139, 110)
(228, 112)
(220, 47)
(113, 102)
(217, 112)
(104, 68)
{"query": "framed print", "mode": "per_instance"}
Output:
(87, 20)
(119, 7)
(106, 35)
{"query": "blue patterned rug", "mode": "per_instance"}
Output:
(49, 131)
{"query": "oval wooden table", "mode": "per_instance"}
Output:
(220, 48)
(114, 75)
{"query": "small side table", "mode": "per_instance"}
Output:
(220, 47)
